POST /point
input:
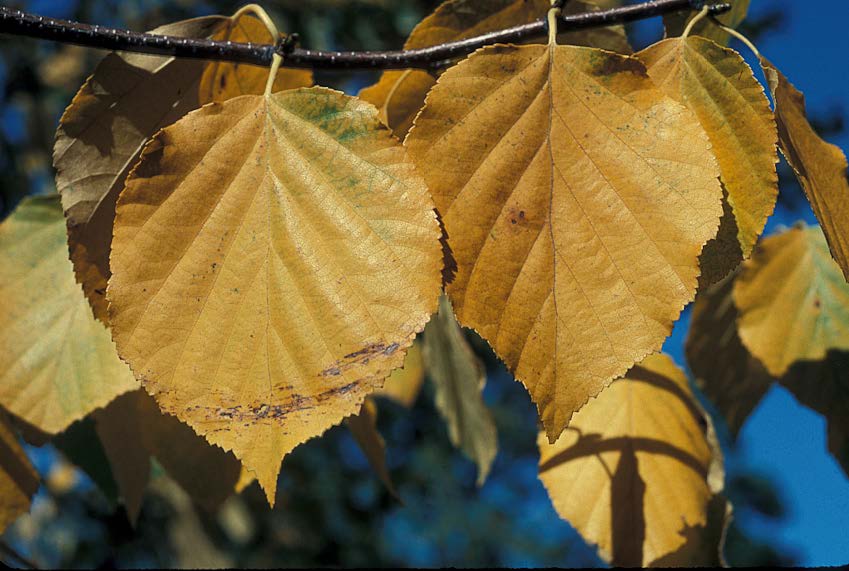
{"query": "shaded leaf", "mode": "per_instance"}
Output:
(819, 166)
(630, 473)
(363, 427)
(404, 385)
(824, 387)
(726, 373)
(58, 363)
(735, 381)
(81, 446)
(576, 198)
(793, 300)
(459, 377)
(677, 21)
(720, 88)
(399, 95)
(133, 430)
(273, 259)
(128, 99)
(18, 480)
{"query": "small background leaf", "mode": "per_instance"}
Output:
(459, 378)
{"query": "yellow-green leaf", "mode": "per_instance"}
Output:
(819, 166)
(399, 95)
(630, 473)
(676, 22)
(58, 363)
(273, 259)
(576, 197)
(459, 378)
(363, 427)
(133, 430)
(18, 480)
(128, 99)
(719, 87)
(793, 300)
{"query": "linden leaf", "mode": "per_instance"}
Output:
(793, 300)
(404, 385)
(631, 471)
(133, 430)
(577, 198)
(363, 427)
(459, 378)
(58, 363)
(18, 480)
(677, 21)
(723, 368)
(128, 99)
(819, 166)
(719, 87)
(273, 259)
(735, 381)
(399, 95)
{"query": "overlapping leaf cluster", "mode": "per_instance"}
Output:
(263, 256)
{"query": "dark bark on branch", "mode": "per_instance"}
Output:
(19, 23)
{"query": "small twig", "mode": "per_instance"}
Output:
(20, 23)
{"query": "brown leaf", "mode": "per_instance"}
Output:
(819, 166)
(363, 427)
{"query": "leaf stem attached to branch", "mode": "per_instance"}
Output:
(19, 23)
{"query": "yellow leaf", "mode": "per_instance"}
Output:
(723, 368)
(273, 259)
(630, 473)
(58, 363)
(677, 21)
(399, 95)
(576, 198)
(128, 99)
(132, 430)
(459, 378)
(404, 385)
(18, 480)
(819, 166)
(719, 87)
(363, 427)
(793, 301)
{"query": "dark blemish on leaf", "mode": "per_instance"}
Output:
(612, 65)
(361, 357)
(223, 81)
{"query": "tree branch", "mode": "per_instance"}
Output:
(19, 23)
